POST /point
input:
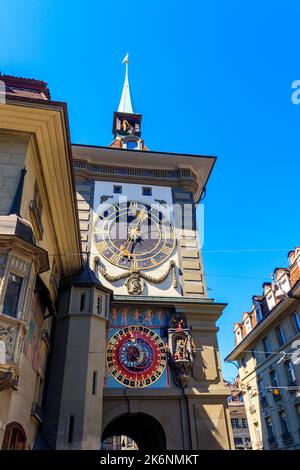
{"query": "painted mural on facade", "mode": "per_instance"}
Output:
(33, 349)
(139, 315)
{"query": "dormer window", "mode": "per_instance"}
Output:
(248, 325)
(285, 284)
(270, 300)
(258, 311)
(238, 335)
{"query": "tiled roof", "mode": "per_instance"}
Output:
(25, 87)
(85, 278)
(291, 273)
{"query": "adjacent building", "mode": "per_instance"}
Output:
(238, 417)
(267, 342)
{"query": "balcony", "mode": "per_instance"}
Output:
(287, 438)
(36, 219)
(12, 332)
(252, 409)
(272, 442)
(37, 412)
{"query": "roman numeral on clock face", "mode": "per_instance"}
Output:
(101, 246)
(115, 259)
(166, 250)
(133, 207)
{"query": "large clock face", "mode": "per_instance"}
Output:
(136, 356)
(134, 235)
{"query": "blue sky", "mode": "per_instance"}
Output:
(210, 77)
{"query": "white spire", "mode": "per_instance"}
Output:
(125, 105)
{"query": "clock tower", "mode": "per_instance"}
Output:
(140, 322)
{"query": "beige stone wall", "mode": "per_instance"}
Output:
(13, 150)
(19, 152)
(48, 242)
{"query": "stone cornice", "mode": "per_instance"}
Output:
(47, 125)
(198, 165)
(122, 175)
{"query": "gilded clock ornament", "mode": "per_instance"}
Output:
(135, 278)
(134, 235)
(136, 356)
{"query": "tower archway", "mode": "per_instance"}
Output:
(143, 429)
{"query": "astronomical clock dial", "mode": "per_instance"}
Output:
(136, 356)
(133, 235)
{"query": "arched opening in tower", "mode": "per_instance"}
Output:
(136, 431)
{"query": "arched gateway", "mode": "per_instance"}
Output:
(143, 429)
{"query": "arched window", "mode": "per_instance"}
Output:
(132, 144)
(14, 437)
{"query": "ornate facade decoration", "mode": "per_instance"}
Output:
(11, 343)
(182, 350)
(134, 278)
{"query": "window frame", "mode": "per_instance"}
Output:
(145, 189)
(120, 189)
(12, 272)
(280, 336)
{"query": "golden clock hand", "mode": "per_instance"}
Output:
(134, 234)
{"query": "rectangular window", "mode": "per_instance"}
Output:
(146, 191)
(270, 429)
(99, 305)
(71, 429)
(37, 199)
(289, 369)
(117, 189)
(296, 319)
(82, 302)
(244, 423)
(95, 375)
(280, 335)
(261, 390)
(235, 423)
(297, 408)
(283, 422)
(238, 441)
(243, 361)
(36, 210)
(253, 355)
(12, 295)
(274, 379)
(266, 346)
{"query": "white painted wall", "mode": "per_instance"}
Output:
(134, 192)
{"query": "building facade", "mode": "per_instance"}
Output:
(267, 344)
(238, 417)
(134, 350)
(37, 232)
